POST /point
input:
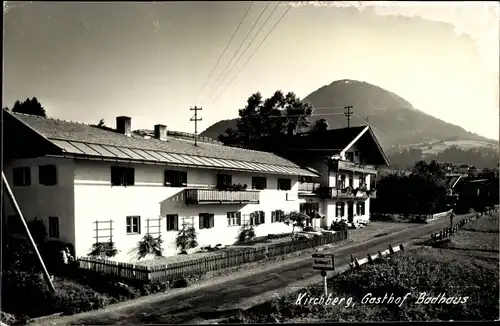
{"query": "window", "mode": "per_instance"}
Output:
(122, 176)
(206, 221)
(47, 175)
(224, 180)
(175, 178)
(351, 181)
(342, 181)
(305, 179)
(258, 217)
(172, 222)
(284, 184)
(361, 208)
(349, 156)
(259, 183)
(277, 216)
(53, 227)
(133, 225)
(340, 209)
(233, 218)
(22, 176)
(15, 225)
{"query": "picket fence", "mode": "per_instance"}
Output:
(179, 270)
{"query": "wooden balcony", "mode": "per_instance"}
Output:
(355, 167)
(309, 188)
(221, 197)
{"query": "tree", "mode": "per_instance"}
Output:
(263, 121)
(297, 219)
(32, 107)
(320, 125)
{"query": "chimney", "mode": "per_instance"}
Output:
(161, 132)
(124, 125)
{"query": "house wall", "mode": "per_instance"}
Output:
(96, 199)
(43, 201)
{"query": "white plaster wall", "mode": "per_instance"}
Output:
(95, 199)
(43, 201)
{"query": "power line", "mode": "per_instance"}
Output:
(348, 115)
(244, 51)
(258, 47)
(224, 52)
(301, 115)
(239, 47)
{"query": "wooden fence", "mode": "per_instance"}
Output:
(179, 270)
(357, 263)
(448, 232)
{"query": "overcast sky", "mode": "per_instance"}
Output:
(150, 61)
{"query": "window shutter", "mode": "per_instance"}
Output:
(273, 216)
(115, 176)
(176, 222)
(130, 175)
(201, 221)
(165, 178)
(337, 210)
(238, 216)
(262, 217)
(212, 218)
(184, 179)
(27, 176)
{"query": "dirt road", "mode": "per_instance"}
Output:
(220, 299)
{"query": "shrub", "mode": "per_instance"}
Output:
(74, 298)
(37, 230)
(247, 233)
(103, 249)
(339, 226)
(186, 239)
(150, 245)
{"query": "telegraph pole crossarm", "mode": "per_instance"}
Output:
(195, 119)
(348, 114)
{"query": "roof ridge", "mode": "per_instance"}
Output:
(52, 118)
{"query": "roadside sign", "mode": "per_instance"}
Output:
(323, 262)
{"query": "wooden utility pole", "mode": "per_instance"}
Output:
(195, 119)
(33, 244)
(348, 115)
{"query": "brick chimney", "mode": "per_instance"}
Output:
(124, 125)
(161, 132)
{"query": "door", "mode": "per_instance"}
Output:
(309, 209)
(350, 211)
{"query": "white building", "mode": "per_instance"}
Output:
(347, 161)
(91, 185)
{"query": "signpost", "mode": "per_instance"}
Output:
(323, 263)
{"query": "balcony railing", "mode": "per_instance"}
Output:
(214, 196)
(356, 167)
(309, 187)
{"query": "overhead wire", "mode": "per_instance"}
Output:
(258, 47)
(224, 52)
(239, 47)
(242, 53)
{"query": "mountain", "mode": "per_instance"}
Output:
(395, 121)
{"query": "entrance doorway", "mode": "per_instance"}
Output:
(350, 211)
(309, 209)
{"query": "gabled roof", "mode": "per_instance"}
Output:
(82, 140)
(335, 141)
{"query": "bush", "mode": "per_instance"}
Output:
(339, 226)
(103, 249)
(246, 234)
(186, 239)
(150, 245)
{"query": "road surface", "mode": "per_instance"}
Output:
(221, 299)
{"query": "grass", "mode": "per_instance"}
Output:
(460, 270)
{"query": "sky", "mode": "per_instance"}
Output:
(152, 60)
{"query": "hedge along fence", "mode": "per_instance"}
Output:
(179, 270)
(448, 232)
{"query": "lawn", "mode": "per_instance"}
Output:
(461, 271)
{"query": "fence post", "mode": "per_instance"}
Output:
(380, 254)
(370, 260)
(391, 250)
(401, 247)
(356, 262)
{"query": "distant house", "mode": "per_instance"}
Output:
(347, 160)
(93, 185)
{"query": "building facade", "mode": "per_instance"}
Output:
(347, 161)
(91, 185)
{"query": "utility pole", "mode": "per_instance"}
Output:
(195, 119)
(33, 244)
(348, 115)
